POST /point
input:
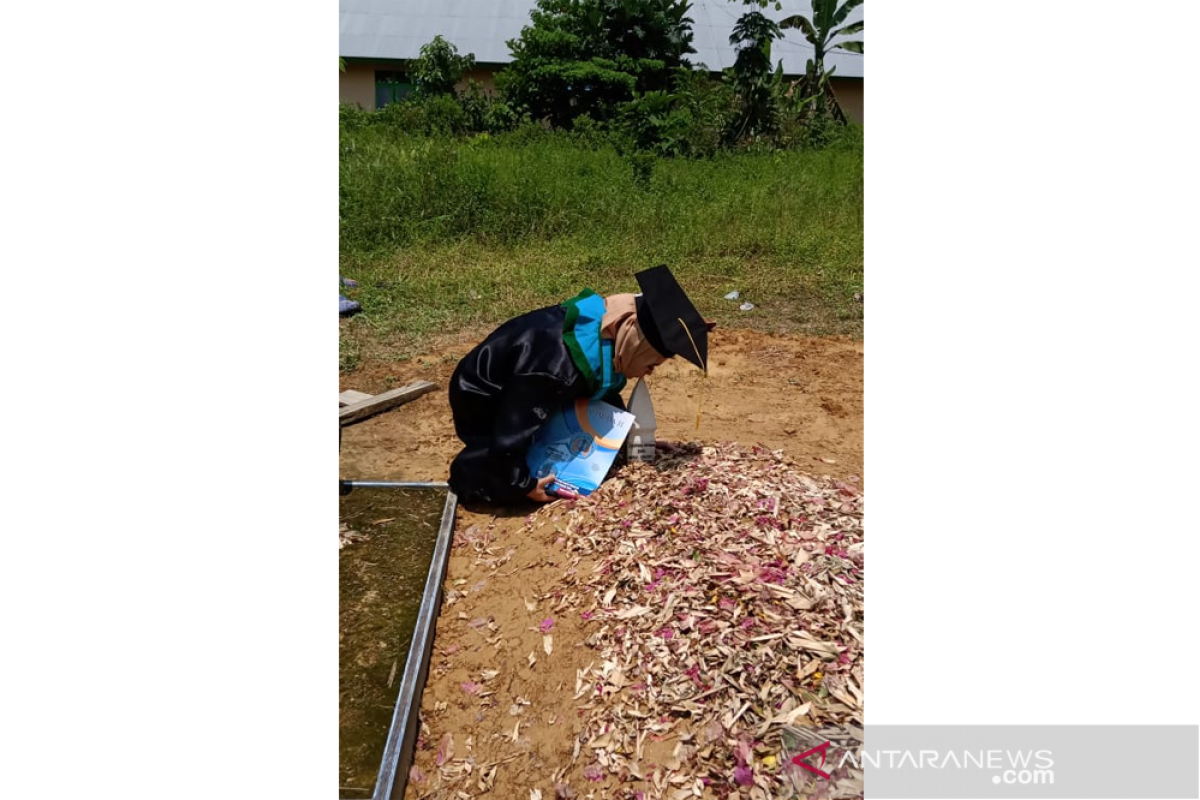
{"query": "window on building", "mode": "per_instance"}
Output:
(391, 87)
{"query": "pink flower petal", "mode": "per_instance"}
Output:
(445, 749)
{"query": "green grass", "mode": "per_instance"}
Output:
(448, 234)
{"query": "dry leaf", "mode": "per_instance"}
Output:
(487, 779)
(727, 591)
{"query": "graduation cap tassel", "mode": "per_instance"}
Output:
(704, 382)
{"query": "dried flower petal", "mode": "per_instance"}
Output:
(445, 749)
(726, 588)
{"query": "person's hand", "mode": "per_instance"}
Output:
(538, 493)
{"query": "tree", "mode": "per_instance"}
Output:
(588, 56)
(439, 68)
(820, 31)
(753, 81)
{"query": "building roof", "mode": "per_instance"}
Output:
(396, 29)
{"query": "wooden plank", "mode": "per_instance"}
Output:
(356, 412)
(350, 397)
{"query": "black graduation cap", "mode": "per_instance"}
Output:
(668, 319)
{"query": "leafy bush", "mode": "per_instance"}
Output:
(439, 67)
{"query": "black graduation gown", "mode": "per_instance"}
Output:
(501, 394)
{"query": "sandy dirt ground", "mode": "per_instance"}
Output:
(495, 700)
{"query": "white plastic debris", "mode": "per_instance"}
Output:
(746, 307)
(734, 295)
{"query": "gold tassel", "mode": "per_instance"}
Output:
(704, 381)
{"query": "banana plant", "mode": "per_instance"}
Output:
(820, 31)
